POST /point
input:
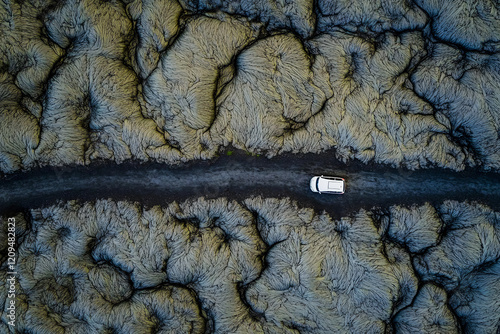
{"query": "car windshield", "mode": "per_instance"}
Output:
(317, 183)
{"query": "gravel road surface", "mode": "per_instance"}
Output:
(241, 176)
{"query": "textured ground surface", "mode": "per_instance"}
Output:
(261, 265)
(403, 83)
(99, 99)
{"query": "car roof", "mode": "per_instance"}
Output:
(331, 185)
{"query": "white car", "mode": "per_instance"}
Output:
(327, 185)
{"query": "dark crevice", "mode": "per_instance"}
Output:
(430, 25)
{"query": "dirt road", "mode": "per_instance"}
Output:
(240, 176)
